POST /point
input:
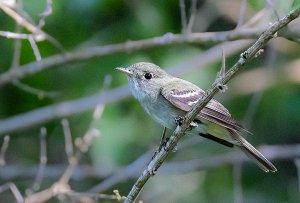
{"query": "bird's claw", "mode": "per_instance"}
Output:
(179, 120)
(162, 145)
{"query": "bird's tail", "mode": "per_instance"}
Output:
(253, 153)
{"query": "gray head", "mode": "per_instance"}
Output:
(145, 79)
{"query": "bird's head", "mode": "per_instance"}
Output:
(145, 79)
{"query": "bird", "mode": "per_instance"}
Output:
(166, 98)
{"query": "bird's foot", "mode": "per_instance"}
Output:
(162, 145)
(193, 125)
(179, 120)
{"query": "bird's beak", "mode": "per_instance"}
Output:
(125, 70)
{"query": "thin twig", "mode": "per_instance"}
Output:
(180, 130)
(16, 61)
(14, 35)
(13, 188)
(271, 4)
(35, 48)
(62, 186)
(38, 34)
(183, 16)
(4, 149)
(95, 196)
(45, 14)
(131, 46)
(297, 163)
(20, 19)
(17, 46)
(221, 74)
(68, 140)
(242, 13)
(192, 18)
(43, 161)
(100, 107)
(41, 94)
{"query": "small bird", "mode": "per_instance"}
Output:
(166, 98)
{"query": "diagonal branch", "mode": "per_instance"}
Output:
(180, 130)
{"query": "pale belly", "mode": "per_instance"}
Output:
(165, 114)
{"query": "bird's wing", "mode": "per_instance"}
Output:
(184, 98)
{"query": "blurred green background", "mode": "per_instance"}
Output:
(265, 96)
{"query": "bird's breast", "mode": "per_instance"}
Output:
(162, 111)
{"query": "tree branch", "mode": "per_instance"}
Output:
(127, 47)
(180, 130)
(82, 172)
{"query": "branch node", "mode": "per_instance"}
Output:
(221, 75)
(222, 88)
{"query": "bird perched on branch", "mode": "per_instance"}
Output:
(166, 98)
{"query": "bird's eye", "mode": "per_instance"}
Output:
(148, 76)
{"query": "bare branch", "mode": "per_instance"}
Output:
(192, 16)
(95, 196)
(62, 186)
(37, 33)
(183, 16)
(272, 152)
(100, 107)
(14, 35)
(221, 75)
(61, 110)
(43, 161)
(130, 46)
(35, 48)
(68, 140)
(19, 19)
(297, 163)
(180, 130)
(45, 14)
(17, 47)
(242, 13)
(4, 149)
(41, 94)
(12, 187)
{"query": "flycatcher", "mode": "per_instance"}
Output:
(165, 98)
